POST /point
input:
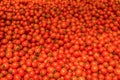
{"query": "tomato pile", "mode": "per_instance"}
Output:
(60, 40)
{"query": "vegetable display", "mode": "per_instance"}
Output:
(60, 40)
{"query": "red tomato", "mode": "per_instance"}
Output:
(60, 40)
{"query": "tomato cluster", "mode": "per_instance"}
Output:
(60, 40)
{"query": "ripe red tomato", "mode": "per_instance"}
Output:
(63, 71)
(59, 40)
